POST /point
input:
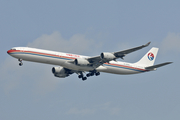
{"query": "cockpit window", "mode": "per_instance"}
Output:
(13, 49)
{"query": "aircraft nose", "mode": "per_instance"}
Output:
(9, 51)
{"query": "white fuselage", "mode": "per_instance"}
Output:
(66, 60)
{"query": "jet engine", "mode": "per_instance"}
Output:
(107, 56)
(60, 72)
(81, 61)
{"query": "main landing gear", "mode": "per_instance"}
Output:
(92, 73)
(82, 76)
(20, 60)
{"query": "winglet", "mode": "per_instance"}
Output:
(147, 44)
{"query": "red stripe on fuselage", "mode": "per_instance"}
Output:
(125, 66)
(11, 51)
(14, 51)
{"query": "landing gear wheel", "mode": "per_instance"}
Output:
(92, 74)
(88, 75)
(20, 64)
(80, 76)
(98, 73)
(84, 78)
(20, 60)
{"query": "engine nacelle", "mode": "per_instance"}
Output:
(107, 56)
(59, 72)
(81, 61)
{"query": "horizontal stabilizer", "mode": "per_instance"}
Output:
(156, 66)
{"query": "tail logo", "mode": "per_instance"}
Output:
(150, 56)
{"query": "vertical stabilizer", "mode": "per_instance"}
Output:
(149, 58)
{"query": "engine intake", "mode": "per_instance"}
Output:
(107, 56)
(60, 72)
(81, 61)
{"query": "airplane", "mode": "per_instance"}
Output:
(68, 63)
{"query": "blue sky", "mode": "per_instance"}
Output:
(89, 28)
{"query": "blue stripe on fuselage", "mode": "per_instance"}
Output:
(110, 65)
(41, 55)
(124, 68)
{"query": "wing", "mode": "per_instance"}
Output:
(121, 54)
(97, 60)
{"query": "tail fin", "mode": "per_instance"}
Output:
(149, 57)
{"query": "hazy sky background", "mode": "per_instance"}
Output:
(90, 27)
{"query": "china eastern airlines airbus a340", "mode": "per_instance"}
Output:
(71, 63)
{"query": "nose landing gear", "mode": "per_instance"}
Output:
(21, 63)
